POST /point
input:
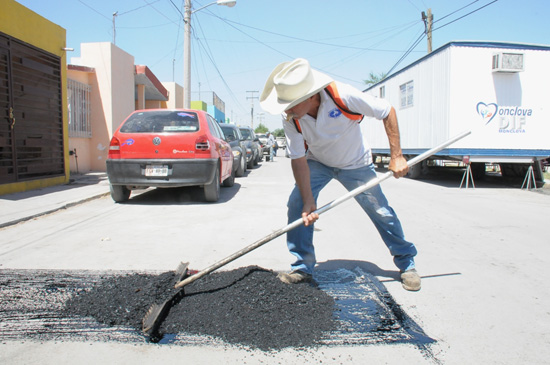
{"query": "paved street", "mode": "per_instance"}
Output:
(483, 255)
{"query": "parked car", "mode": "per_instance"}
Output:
(265, 148)
(263, 142)
(235, 139)
(281, 142)
(253, 148)
(169, 148)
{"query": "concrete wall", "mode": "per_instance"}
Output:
(19, 22)
(114, 101)
(175, 93)
(199, 105)
(216, 113)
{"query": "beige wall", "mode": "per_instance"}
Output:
(112, 97)
(175, 95)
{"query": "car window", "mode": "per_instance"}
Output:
(215, 128)
(230, 133)
(161, 121)
(246, 133)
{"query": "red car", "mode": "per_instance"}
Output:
(169, 148)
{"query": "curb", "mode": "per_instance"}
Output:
(65, 206)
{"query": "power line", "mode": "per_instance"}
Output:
(210, 56)
(474, 11)
(143, 6)
(456, 11)
(419, 39)
(407, 52)
(88, 6)
(297, 38)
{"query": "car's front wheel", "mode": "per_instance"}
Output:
(119, 193)
(212, 190)
(242, 167)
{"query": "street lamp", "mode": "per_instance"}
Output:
(187, 46)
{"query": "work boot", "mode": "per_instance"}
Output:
(295, 277)
(410, 280)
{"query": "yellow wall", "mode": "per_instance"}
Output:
(19, 22)
(199, 105)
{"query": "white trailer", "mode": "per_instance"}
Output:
(497, 90)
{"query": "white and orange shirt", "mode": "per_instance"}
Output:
(333, 139)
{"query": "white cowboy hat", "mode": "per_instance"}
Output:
(289, 84)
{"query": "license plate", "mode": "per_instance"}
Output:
(156, 170)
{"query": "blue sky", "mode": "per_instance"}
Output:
(235, 49)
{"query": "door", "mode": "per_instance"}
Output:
(31, 125)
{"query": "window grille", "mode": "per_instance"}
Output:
(79, 109)
(407, 92)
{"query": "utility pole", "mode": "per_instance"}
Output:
(187, 55)
(114, 27)
(428, 21)
(251, 98)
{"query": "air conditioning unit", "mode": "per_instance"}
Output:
(507, 62)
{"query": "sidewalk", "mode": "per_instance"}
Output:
(19, 207)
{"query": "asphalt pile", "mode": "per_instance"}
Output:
(248, 306)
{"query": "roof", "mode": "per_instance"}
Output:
(81, 68)
(479, 44)
(154, 90)
(153, 87)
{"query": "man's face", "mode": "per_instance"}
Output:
(299, 110)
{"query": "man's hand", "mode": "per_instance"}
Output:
(308, 213)
(398, 163)
(399, 166)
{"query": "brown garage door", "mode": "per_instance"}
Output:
(31, 124)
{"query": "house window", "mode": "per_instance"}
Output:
(382, 92)
(79, 109)
(407, 91)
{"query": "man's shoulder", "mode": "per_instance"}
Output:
(345, 90)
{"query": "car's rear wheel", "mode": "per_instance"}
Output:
(212, 190)
(242, 167)
(120, 193)
(230, 181)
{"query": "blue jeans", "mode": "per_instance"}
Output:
(373, 202)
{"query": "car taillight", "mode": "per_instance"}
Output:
(114, 148)
(202, 143)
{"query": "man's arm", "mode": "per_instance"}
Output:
(398, 163)
(300, 170)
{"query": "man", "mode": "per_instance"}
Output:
(271, 144)
(324, 143)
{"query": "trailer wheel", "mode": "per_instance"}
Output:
(478, 170)
(514, 169)
(418, 171)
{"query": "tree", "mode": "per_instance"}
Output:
(374, 79)
(261, 129)
(279, 132)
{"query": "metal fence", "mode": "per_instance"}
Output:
(79, 109)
